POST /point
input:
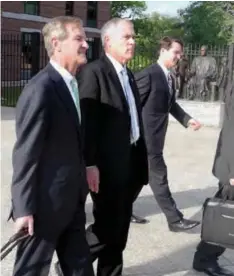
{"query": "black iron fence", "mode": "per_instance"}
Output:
(22, 56)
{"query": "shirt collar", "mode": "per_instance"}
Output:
(118, 66)
(62, 71)
(165, 70)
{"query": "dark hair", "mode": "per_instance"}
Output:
(166, 42)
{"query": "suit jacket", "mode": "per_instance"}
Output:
(106, 120)
(48, 167)
(223, 167)
(157, 103)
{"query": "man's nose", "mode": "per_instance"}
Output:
(132, 41)
(86, 45)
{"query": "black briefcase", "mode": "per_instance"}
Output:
(218, 222)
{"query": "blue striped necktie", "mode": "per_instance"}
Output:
(135, 132)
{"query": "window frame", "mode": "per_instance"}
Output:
(92, 22)
(71, 12)
(30, 4)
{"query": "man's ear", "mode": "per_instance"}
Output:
(56, 44)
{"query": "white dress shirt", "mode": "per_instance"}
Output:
(67, 77)
(167, 75)
(123, 78)
(165, 70)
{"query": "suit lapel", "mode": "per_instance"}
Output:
(64, 94)
(134, 91)
(115, 79)
(137, 99)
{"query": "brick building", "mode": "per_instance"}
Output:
(20, 20)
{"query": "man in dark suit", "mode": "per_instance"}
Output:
(206, 256)
(157, 92)
(115, 151)
(49, 185)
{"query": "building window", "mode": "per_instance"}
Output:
(31, 7)
(92, 14)
(69, 6)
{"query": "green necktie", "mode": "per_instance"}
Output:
(75, 92)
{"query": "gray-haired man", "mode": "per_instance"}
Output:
(115, 151)
(49, 188)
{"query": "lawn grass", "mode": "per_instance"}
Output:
(10, 95)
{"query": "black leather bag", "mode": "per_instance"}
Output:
(218, 222)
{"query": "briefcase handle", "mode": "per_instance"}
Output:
(222, 197)
(13, 242)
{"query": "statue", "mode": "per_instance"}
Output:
(203, 71)
(181, 75)
(223, 78)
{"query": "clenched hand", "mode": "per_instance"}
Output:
(26, 222)
(93, 178)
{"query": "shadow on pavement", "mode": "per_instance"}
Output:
(147, 206)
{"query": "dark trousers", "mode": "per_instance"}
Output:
(34, 255)
(159, 184)
(107, 236)
(208, 253)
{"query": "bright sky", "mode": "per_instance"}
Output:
(166, 7)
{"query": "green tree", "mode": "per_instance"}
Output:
(208, 22)
(131, 9)
(149, 30)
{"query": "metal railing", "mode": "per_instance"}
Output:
(23, 55)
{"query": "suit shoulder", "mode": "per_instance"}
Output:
(145, 73)
(148, 70)
(93, 66)
(41, 79)
(36, 87)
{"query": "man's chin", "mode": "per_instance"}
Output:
(129, 57)
(82, 60)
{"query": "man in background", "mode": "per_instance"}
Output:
(207, 255)
(157, 91)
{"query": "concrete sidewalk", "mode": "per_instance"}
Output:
(206, 112)
(152, 250)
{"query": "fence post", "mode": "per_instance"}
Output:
(35, 44)
(230, 77)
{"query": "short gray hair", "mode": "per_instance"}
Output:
(57, 27)
(110, 25)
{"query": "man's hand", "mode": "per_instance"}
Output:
(93, 178)
(231, 181)
(25, 223)
(194, 124)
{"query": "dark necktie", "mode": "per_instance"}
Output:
(169, 80)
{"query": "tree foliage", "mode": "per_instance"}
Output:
(131, 9)
(149, 30)
(208, 22)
